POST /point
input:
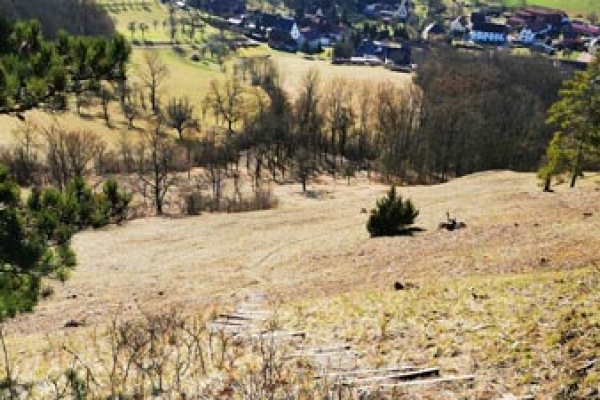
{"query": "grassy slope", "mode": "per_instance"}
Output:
(522, 250)
(527, 336)
(536, 326)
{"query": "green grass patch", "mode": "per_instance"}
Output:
(583, 7)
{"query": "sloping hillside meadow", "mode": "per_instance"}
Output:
(511, 299)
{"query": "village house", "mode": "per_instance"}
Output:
(284, 34)
(583, 29)
(593, 46)
(385, 51)
(489, 33)
(539, 18)
(388, 12)
(459, 27)
(311, 40)
(478, 18)
(433, 32)
(534, 31)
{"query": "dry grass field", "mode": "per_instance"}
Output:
(511, 299)
(494, 299)
(310, 247)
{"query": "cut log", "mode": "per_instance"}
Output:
(329, 355)
(229, 322)
(230, 326)
(587, 366)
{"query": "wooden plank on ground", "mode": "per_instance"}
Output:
(321, 350)
(366, 371)
(245, 311)
(276, 334)
(220, 326)
(221, 321)
(243, 317)
(404, 376)
(253, 306)
(423, 382)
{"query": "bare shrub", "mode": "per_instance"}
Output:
(110, 163)
(262, 199)
(193, 203)
(197, 199)
(70, 153)
(23, 157)
(171, 355)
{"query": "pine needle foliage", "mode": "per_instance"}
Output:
(35, 236)
(392, 215)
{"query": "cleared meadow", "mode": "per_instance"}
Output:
(531, 256)
(494, 299)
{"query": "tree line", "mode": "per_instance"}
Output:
(78, 17)
(463, 113)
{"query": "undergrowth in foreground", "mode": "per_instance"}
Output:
(537, 333)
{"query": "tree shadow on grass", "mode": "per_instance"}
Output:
(410, 231)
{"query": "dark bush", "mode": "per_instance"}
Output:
(392, 216)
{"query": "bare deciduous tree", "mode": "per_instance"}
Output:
(153, 72)
(155, 160)
(106, 95)
(179, 115)
(338, 102)
(227, 101)
(23, 156)
(309, 119)
(131, 105)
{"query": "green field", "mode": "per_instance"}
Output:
(192, 79)
(582, 7)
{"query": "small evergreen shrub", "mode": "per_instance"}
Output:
(116, 201)
(392, 216)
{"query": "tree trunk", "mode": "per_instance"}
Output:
(158, 200)
(547, 184)
(577, 167)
